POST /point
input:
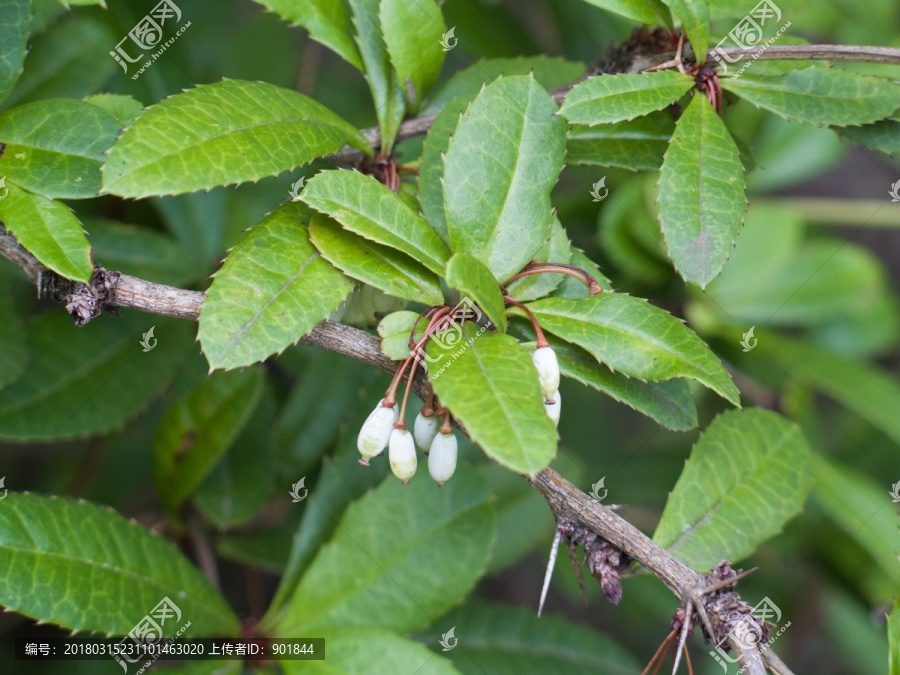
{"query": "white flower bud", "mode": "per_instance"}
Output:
(442, 458)
(544, 359)
(402, 454)
(376, 430)
(554, 407)
(425, 429)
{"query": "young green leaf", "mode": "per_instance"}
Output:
(748, 474)
(56, 147)
(820, 96)
(124, 108)
(635, 338)
(861, 507)
(694, 17)
(701, 193)
(354, 579)
(356, 650)
(50, 231)
(239, 131)
(14, 18)
(615, 98)
(668, 402)
(883, 136)
(431, 170)
(496, 638)
(488, 381)
(366, 207)
(394, 331)
(272, 290)
(636, 145)
(385, 268)
(556, 248)
(89, 559)
(198, 428)
(328, 22)
(412, 32)
(473, 280)
(498, 172)
(652, 12)
(387, 90)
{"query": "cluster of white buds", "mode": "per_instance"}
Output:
(431, 434)
(547, 366)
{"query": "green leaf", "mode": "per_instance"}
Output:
(635, 338)
(387, 91)
(239, 131)
(694, 17)
(557, 249)
(883, 136)
(498, 172)
(237, 488)
(820, 96)
(272, 290)
(894, 639)
(549, 71)
(381, 567)
(86, 381)
(701, 193)
(431, 170)
(653, 12)
(748, 474)
(505, 640)
(366, 207)
(570, 287)
(355, 651)
(636, 145)
(56, 147)
(669, 403)
(869, 392)
(14, 18)
(123, 108)
(384, 268)
(140, 252)
(198, 428)
(615, 98)
(13, 347)
(412, 32)
(328, 22)
(50, 231)
(394, 330)
(69, 60)
(88, 559)
(489, 383)
(473, 280)
(861, 507)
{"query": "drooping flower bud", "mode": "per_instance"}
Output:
(376, 430)
(425, 429)
(545, 361)
(402, 455)
(442, 457)
(553, 407)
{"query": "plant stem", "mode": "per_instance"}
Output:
(557, 268)
(541, 340)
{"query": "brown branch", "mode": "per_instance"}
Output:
(568, 503)
(862, 53)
